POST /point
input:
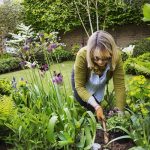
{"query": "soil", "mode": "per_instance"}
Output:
(123, 144)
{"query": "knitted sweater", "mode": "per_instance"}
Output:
(82, 74)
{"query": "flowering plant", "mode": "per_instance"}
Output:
(138, 95)
(129, 50)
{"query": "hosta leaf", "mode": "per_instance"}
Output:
(50, 129)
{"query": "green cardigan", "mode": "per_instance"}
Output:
(82, 72)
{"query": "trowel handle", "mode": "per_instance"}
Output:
(105, 132)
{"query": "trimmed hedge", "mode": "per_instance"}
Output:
(9, 64)
(58, 55)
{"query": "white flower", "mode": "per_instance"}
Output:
(128, 50)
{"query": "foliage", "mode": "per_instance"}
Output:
(118, 120)
(146, 12)
(139, 65)
(9, 64)
(5, 87)
(20, 94)
(50, 15)
(30, 46)
(60, 55)
(141, 47)
(62, 127)
(138, 95)
(62, 15)
(10, 16)
(7, 107)
(138, 132)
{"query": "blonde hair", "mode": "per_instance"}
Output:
(103, 43)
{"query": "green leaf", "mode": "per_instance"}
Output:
(88, 137)
(146, 12)
(119, 138)
(82, 139)
(20, 128)
(50, 129)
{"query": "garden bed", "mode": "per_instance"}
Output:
(123, 144)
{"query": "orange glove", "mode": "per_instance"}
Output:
(99, 113)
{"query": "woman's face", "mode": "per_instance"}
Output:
(101, 58)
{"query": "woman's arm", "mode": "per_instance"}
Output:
(80, 75)
(119, 84)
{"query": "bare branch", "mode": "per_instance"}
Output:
(81, 19)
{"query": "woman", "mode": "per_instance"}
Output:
(95, 64)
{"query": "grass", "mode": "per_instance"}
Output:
(29, 75)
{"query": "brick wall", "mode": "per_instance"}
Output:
(123, 35)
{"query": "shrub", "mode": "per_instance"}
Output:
(9, 64)
(138, 95)
(60, 55)
(141, 47)
(5, 87)
(139, 65)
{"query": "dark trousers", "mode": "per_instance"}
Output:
(77, 97)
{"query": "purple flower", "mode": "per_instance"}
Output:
(26, 47)
(44, 67)
(23, 63)
(51, 47)
(41, 34)
(57, 78)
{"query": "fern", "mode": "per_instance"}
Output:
(7, 107)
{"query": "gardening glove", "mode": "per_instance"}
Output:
(97, 107)
(99, 113)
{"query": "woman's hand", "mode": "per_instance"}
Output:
(99, 113)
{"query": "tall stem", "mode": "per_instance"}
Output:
(97, 21)
(88, 11)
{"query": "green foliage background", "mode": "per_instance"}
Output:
(61, 15)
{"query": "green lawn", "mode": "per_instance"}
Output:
(29, 75)
(65, 68)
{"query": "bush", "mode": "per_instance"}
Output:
(9, 64)
(5, 87)
(139, 65)
(58, 55)
(141, 47)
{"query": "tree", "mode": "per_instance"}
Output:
(10, 16)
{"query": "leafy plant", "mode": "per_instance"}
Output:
(146, 12)
(10, 16)
(138, 95)
(141, 47)
(64, 15)
(5, 87)
(138, 66)
(9, 64)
